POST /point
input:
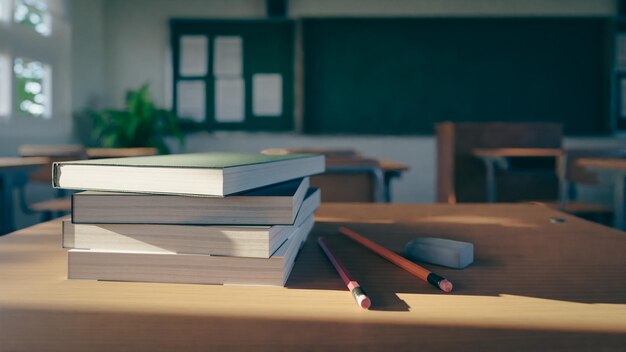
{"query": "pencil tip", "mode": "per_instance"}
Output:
(445, 285)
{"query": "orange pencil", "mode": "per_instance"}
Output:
(400, 261)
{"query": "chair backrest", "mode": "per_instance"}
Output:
(461, 176)
(53, 153)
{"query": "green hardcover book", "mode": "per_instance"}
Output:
(209, 174)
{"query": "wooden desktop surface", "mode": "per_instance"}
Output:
(538, 283)
(97, 153)
(390, 165)
(12, 162)
(517, 152)
(618, 164)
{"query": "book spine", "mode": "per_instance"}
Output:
(56, 174)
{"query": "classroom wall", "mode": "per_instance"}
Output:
(137, 40)
(87, 17)
(125, 42)
(135, 45)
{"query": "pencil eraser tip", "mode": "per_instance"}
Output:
(364, 302)
(445, 286)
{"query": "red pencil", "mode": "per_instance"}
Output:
(400, 261)
(357, 292)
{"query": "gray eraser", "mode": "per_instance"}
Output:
(440, 251)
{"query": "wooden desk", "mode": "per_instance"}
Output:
(382, 171)
(611, 171)
(337, 157)
(498, 157)
(13, 172)
(99, 153)
(536, 284)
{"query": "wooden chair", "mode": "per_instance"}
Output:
(348, 176)
(461, 176)
(61, 204)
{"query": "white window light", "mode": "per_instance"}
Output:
(33, 87)
(5, 10)
(34, 14)
(5, 87)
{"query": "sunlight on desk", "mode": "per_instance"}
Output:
(554, 286)
(477, 220)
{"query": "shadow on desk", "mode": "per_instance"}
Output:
(510, 259)
(142, 331)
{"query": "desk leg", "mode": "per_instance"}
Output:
(6, 205)
(490, 178)
(388, 176)
(618, 202)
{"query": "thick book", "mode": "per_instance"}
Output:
(211, 174)
(189, 268)
(239, 241)
(272, 205)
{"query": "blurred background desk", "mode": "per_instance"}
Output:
(501, 158)
(349, 176)
(535, 285)
(100, 153)
(14, 173)
(613, 172)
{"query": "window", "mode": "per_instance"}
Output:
(234, 75)
(32, 80)
(5, 87)
(4, 10)
(31, 51)
(33, 14)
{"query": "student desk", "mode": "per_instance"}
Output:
(541, 280)
(13, 171)
(99, 153)
(497, 157)
(611, 171)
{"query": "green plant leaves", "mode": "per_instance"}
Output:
(141, 124)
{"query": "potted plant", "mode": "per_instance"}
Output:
(140, 124)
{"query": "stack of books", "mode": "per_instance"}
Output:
(208, 218)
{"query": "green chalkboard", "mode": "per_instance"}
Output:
(400, 76)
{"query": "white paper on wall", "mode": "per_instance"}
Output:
(229, 100)
(228, 59)
(190, 99)
(194, 53)
(267, 93)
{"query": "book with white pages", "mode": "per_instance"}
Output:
(272, 205)
(239, 241)
(189, 268)
(197, 174)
